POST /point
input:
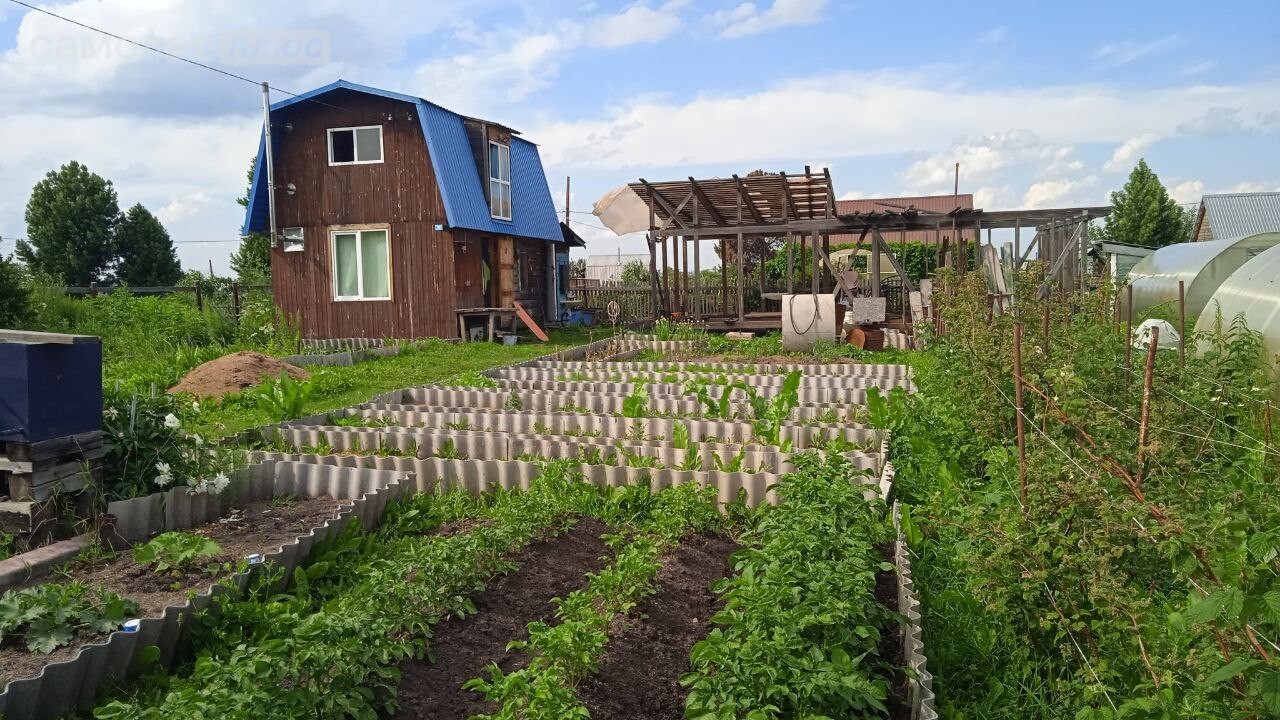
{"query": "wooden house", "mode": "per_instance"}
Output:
(393, 213)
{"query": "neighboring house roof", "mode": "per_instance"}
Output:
(461, 187)
(571, 237)
(930, 203)
(1232, 215)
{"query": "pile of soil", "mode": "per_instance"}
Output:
(233, 373)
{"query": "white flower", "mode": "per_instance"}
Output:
(220, 482)
(164, 478)
(110, 413)
(198, 440)
(171, 421)
(195, 405)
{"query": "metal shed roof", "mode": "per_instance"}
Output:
(461, 187)
(1239, 214)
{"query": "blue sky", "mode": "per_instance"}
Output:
(1042, 104)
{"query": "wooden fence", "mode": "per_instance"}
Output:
(235, 289)
(636, 301)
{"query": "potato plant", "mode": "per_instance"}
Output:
(798, 633)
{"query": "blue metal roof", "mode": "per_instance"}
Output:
(461, 187)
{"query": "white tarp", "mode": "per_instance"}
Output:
(622, 211)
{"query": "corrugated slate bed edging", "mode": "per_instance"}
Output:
(344, 357)
(920, 694)
(74, 685)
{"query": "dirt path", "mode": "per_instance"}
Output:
(463, 648)
(640, 677)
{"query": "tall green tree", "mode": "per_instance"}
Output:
(71, 218)
(1142, 213)
(251, 262)
(15, 296)
(147, 254)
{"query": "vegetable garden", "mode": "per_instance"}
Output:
(515, 547)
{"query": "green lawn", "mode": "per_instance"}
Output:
(420, 364)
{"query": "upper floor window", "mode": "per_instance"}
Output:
(500, 181)
(355, 145)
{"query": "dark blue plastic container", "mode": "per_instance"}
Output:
(50, 390)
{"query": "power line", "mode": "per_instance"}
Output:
(166, 53)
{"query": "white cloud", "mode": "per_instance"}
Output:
(1227, 120)
(1129, 151)
(1187, 192)
(1199, 68)
(983, 158)
(508, 65)
(1050, 193)
(896, 112)
(749, 19)
(1128, 50)
(992, 197)
(995, 36)
(636, 24)
(1250, 187)
(185, 206)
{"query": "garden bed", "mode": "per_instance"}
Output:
(312, 504)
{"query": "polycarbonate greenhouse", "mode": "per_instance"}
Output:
(1254, 291)
(1202, 266)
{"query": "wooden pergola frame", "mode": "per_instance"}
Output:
(800, 206)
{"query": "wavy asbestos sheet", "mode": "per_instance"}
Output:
(806, 395)
(342, 344)
(920, 687)
(576, 424)
(764, 368)
(547, 375)
(467, 444)
(582, 401)
(477, 476)
(73, 685)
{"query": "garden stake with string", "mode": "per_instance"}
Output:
(1144, 427)
(1022, 439)
(1128, 335)
(1182, 324)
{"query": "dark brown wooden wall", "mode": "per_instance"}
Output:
(400, 192)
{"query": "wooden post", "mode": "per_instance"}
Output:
(791, 283)
(742, 286)
(199, 298)
(874, 265)
(697, 274)
(813, 281)
(666, 280)
(235, 300)
(653, 265)
(1128, 334)
(1182, 324)
(1044, 327)
(1017, 396)
(724, 276)
(826, 272)
(1144, 427)
(93, 289)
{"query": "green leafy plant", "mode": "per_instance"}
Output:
(636, 403)
(284, 399)
(175, 551)
(52, 615)
(449, 451)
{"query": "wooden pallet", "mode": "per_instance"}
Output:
(36, 471)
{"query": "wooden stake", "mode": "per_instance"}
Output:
(1044, 328)
(1128, 334)
(1182, 324)
(1017, 393)
(1146, 405)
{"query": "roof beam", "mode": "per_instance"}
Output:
(746, 198)
(704, 203)
(791, 201)
(831, 193)
(673, 215)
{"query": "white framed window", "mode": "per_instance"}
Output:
(355, 145)
(361, 264)
(500, 181)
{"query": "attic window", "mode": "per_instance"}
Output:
(355, 145)
(500, 181)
